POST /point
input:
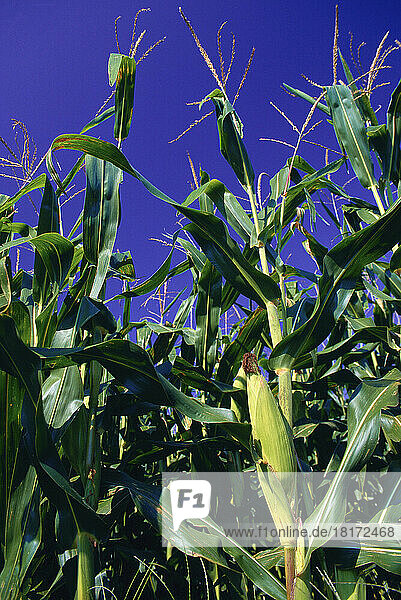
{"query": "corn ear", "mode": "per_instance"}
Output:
(270, 431)
(239, 403)
(274, 446)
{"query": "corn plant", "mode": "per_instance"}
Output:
(253, 370)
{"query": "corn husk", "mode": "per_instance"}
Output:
(270, 431)
(273, 444)
(239, 403)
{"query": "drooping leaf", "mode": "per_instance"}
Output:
(229, 208)
(131, 366)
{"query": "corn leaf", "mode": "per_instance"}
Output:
(363, 420)
(223, 252)
(207, 315)
(8, 201)
(229, 208)
(124, 97)
(48, 223)
(307, 97)
(106, 114)
(101, 216)
(394, 129)
(56, 253)
(230, 135)
(342, 266)
(22, 536)
(245, 341)
(351, 133)
(131, 366)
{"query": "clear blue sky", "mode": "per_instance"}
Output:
(54, 79)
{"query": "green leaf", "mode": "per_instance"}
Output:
(155, 280)
(307, 97)
(124, 97)
(106, 114)
(197, 257)
(351, 133)
(5, 283)
(366, 335)
(18, 360)
(391, 425)
(386, 558)
(363, 420)
(230, 135)
(342, 266)
(207, 316)
(277, 183)
(132, 368)
(11, 399)
(223, 252)
(361, 97)
(114, 66)
(194, 376)
(298, 194)
(189, 539)
(394, 129)
(379, 139)
(186, 332)
(247, 338)
(62, 396)
(229, 208)
(395, 260)
(24, 364)
(56, 253)
(147, 500)
(39, 182)
(23, 536)
(101, 216)
(48, 223)
(254, 569)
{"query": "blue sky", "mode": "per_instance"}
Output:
(54, 79)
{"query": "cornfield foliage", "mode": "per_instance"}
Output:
(95, 407)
